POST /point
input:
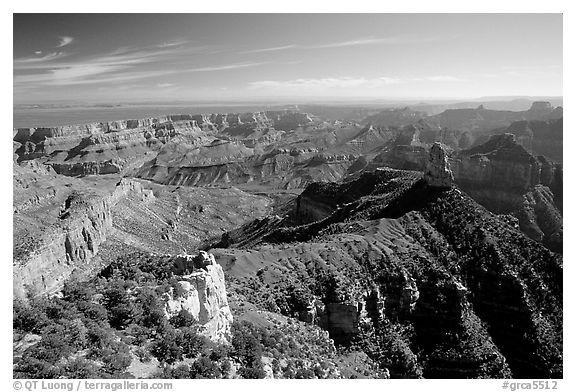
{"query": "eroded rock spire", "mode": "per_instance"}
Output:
(438, 173)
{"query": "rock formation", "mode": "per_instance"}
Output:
(449, 274)
(204, 296)
(438, 173)
(408, 150)
(407, 266)
(502, 163)
(540, 219)
(505, 178)
(539, 137)
(59, 229)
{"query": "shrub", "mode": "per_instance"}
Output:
(121, 310)
(183, 319)
(247, 347)
(168, 346)
(30, 367)
(81, 368)
(304, 373)
(251, 372)
(204, 367)
(152, 311)
(116, 362)
(192, 343)
(28, 318)
(180, 371)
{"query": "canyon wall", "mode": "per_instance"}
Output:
(44, 262)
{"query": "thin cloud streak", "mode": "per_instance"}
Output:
(395, 40)
(121, 64)
(273, 49)
(82, 74)
(36, 62)
(225, 67)
(359, 42)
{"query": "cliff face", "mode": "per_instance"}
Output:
(113, 147)
(204, 296)
(45, 258)
(501, 175)
(409, 149)
(500, 163)
(403, 157)
(539, 218)
(539, 137)
(502, 170)
(101, 148)
(225, 162)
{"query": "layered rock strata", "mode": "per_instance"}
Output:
(46, 257)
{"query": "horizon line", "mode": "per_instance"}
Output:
(287, 99)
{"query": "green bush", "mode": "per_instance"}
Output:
(183, 319)
(168, 346)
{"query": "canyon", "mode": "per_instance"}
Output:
(428, 245)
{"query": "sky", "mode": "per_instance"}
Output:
(115, 58)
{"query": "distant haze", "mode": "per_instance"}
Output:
(68, 58)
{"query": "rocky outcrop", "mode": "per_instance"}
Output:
(540, 219)
(502, 166)
(204, 295)
(542, 110)
(505, 178)
(409, 149)
(88, 168)
(539, 137)
(403, 157)
(45, 256)
(438, 173)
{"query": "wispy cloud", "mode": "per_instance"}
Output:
(170, 44)
(359, 42)
(273, 49)
(164, 85)
(121, 65)
(363, 41)
(65, 41)
(37, 62)
(225, 67)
